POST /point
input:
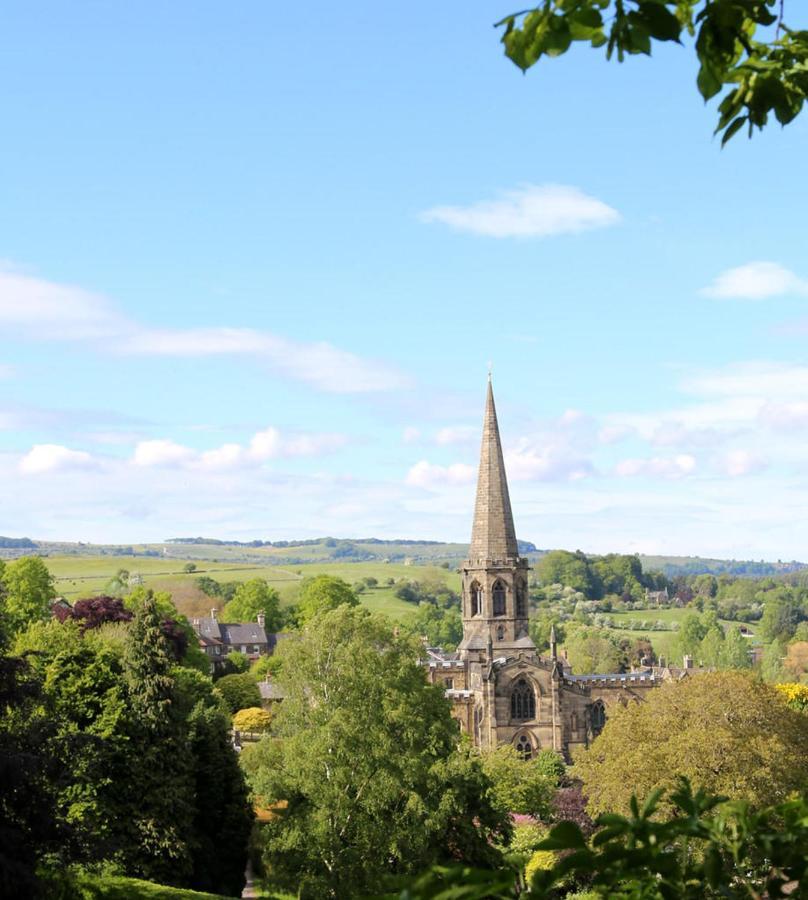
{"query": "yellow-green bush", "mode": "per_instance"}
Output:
(252, 719)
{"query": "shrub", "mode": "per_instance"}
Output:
(239, 691)
(252, 719)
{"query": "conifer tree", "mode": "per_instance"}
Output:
(161, 789)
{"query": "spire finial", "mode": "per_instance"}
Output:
(490, 370)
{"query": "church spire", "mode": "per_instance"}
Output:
(493, 536)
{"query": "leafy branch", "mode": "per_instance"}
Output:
(762, 77)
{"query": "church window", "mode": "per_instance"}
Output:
(478, 718)
(449, 683)
(598, 716)
(521, 606)
(498, 596)
(524, 747)
(476, 598)
(523, 701)
(500, 633)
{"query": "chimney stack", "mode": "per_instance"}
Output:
(213, 614)
(261, 620)
(688, 661)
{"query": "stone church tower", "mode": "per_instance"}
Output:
(495, 600)
(502, 690)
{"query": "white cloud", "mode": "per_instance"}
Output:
(456, 434)
(755, 281)
(751, 379)
(262, 447)
(529, 211)
(789, 416)
(53, 311)
(657, 467)
(43, 458)
(613, 434)
(43, 310)
(526, 461)
(737, 463)
(427, 475)
(161, 453)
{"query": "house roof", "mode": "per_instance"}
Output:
(230, 632)
(269, 690)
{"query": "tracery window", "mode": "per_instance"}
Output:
(523, 747)
(523, 701)
(476, 598)
(498, 596)
(521, 605)
(598, 716)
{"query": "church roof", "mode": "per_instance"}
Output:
(493, 536)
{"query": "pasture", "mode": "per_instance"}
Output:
(87, 576)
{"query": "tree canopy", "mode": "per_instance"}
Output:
(368, 760)
(252, 598)
(745, 46)
(726, 732)
(323, 593)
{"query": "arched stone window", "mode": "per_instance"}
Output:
(478, 718)
(476, 593)
(598, 716)
(521, 601)
(500, 633)
(523, 747)
(523, 701)
(498, 596)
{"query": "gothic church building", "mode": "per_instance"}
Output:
(503, 691)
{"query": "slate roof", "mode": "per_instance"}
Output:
(230, 633)
(270, 691)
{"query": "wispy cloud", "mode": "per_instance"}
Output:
(657, 467)
(529, 211)
(456, 434)
(756, 281)
(41, 310)
(427, 475)
(738, 463)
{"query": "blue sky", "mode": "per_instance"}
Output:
(257, 258)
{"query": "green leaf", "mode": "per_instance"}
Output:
(660, 21)
(564, 836)
(709, 84)
(733, 129)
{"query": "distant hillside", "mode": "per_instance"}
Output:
(341, 550)
(699, 565)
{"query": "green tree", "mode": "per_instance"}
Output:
(159, 794)
(442, 627)
(735, 652)
(519, 785)
(366, 756)
(757, 754)
(593, 650)
(252, 598)
(781, 614)
(711, 650)
(323, 593)
(239, 691)
(692, 632)
(743, 45)
(29, 592)
(568, 569)
(772, 669)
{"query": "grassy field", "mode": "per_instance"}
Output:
(662, 641)
(87, 576)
